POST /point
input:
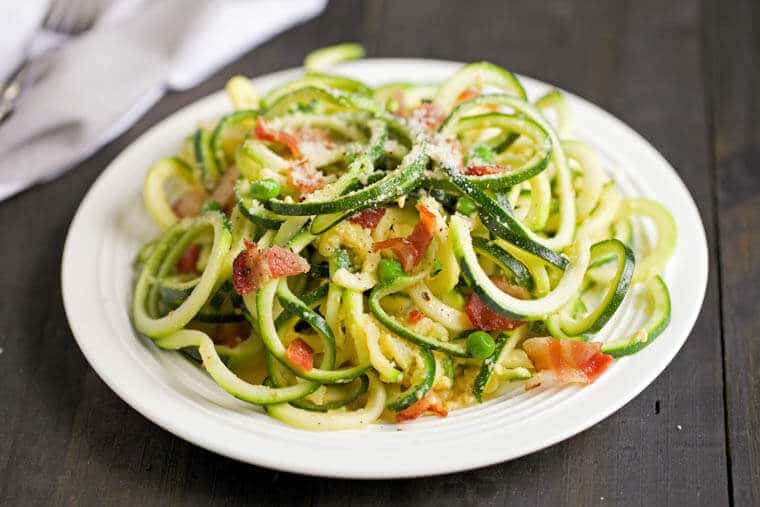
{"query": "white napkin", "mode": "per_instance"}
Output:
(97, 85)
(18, 23)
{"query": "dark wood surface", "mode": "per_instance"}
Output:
(733, 79)
(685, 74)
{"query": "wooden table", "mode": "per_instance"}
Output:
(683, 74)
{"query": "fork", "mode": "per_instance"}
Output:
(64, 17)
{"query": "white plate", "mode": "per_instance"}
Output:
(111, 224)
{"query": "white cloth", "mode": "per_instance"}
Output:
(95, 86)
(18, 23)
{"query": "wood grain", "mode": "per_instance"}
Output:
(732, 45)
(65, 438)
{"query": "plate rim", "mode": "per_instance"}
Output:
(351, 471)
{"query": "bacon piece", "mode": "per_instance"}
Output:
(431, 401)
(405, 251)
(369, 218)
(224, 193)
(262, 132)
(188, 260)
(415, 316)
(561, 362)
(469, 93)
(483, 170)
(485, 319)
(304, 178)
(254, 267)
(427, 117)
(245, 271)
(301, 354)
(411, 250)
(190, 203)
(283, 262)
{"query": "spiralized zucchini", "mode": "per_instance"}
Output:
(415, 214)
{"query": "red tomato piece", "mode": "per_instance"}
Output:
(263, 133)
(369, 218)
(565, 361)
(595, 365)
(430, 402)
(189, 258)
(300, 354)
(415, 316)
(411, 250)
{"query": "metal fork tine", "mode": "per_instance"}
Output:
(65, 16)
(87, 16)
(57, 16)
(74, 16)
(54, 13)
(70, 18)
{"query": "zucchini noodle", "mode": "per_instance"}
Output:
(343, 255)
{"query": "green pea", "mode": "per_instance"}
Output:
(211, 205)
(480, 344)
(389, 270)
(265, 189)
(466, 206)
(481, 154)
